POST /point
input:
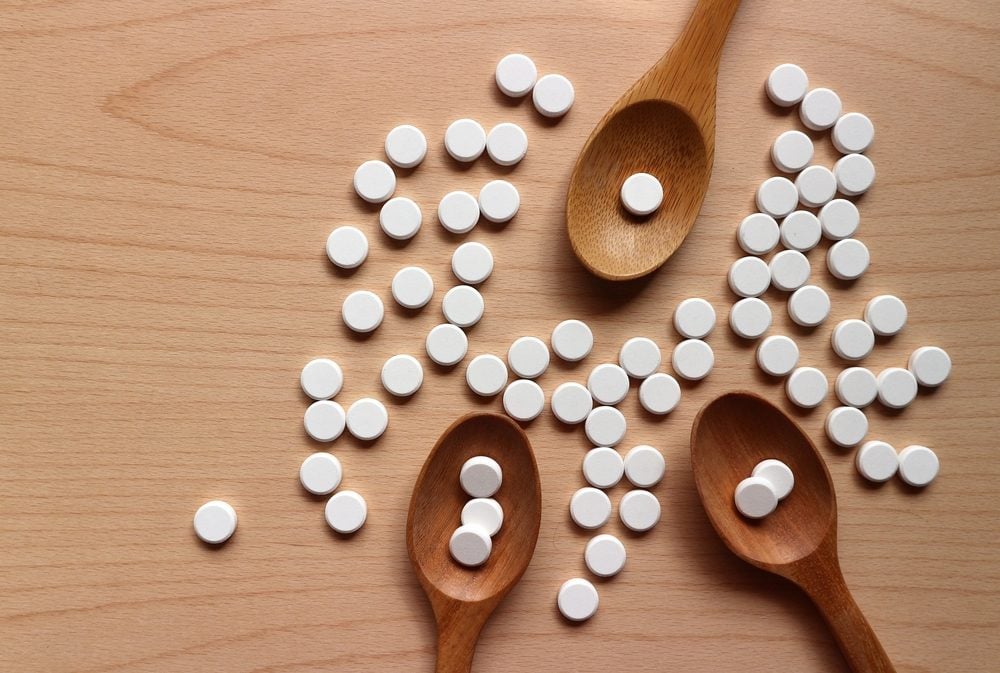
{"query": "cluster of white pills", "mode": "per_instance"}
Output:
(769, 482)
(472, 542)
(878, 461)
(517, 76)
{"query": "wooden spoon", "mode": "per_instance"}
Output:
(464, 598)
(799, 540)
(663, 125)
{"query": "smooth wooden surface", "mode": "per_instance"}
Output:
(169, 174)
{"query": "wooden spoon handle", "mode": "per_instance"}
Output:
(458, 633)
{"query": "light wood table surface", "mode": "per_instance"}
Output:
(169, 172)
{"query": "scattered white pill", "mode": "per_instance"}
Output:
(750, 318)
(777, 355)
(402, 375)
(528, 357)
(590, 508)
(816, 185)
(604, 555)
(472, 263)
(572, 340)
(499, 201)
(603, 467)
(757, 234)
(644, 466)
(820, 109)
(374, 181)
(605, 426)
(400, 218)
(465, 140)
(853, 133)
(694, 318)
(321, 473)
(839, 219)
(641, 194)
(789, 270)
(639, 510)
(367, 419)
(523, 400)
(787, 85)
(486, 375)
(470, 545)
(792, 151)
(321, 379)
(801, 231)
(856, 387)
(780, 475)
(807, 387)
(848, 259)
(749, 276)
(485, 513)
(886, 314)
(553, 95)
(215, 522)
(755, 497)
(346, 512)
(918, 465)
(481, 477)
(855, 174)
(362, 311)
(412, 287)
(507, 144)
(577, 600)
(777, 196)
(516, 75)
(639, 357)
(659, 394)
(930, 365)
(692, 359)
(347, 247)
(324, 420)
(846, 426)
(458, 212)
(897, 387)
(809, 306)
(608, 384)
(446, 345)
(571, 402)
(876, 461)
(463, 306)
(852, 339)
(406, 146)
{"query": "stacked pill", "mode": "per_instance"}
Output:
(769, 483)
(472, 542)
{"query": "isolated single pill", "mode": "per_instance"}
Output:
(603, 467)
(930, 365)
(816, 185)
(516, 75)
(755, 497)
(486, 375)
(571, 402)
(507, 144)
(347, 247)
(855, 174)
(446, 345)
(639, 510)
(856, 387)
(499, 201)
(481, 477)
(852, 339)
(608, 384)
(853, 133)
(639, 357)
(787, 85)
(412, 287)
(809, 306)
(792, 151)
(572, 340)
(897, 387)
(577, 600)
(528, 357)
(470, 545)
(789, 270)
(777, 355)
(806, 387)
(641, 194)
(801, 231)
(402, 375)
(886, 314)
(362, 311)
(553, 95)
(777, 196)
(472, 262)
(750, 318)
(324, 420)
(400, 218)
(590, 508)
(458, 212)
(876, 461)
(749, 277)
(374, 181)
(605, 426)
(604, 555)
(523, 400)
(367, 419)
(659, 394)
(778, 473)
(918, 465)
(215, 522)
(346, 512)
(321, 379)
(692, 359)
(406, 146)
(320, 473)
(463, 306)
(485, 513)
(644, 466)
(694, 318)
(839, 219)
(848, 259)
(758, 234)
(846, 426)
(820, 109)
(465, 140)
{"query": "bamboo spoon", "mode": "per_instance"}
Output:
(464, 598)
(799, 540)
(663, 125)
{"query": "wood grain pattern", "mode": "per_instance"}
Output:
(169, 172)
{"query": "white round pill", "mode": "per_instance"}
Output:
(757, 234)
(523, 400)
(402, 375)
(603, 467)
(639, 510)
(553, 95)
(446, 345)
(507, 144)
(855, 174)
(486, 375)
(846, 426)
(856, 387)
(485, 513)
(367, 419)
(749, 276)
(641, 194)
(755, 497)
(321, 379)
(852, 339)
(465, 140)
(605, 426)
(897, 387)
(608, 384)
(750, 318)
(876, 461)
(820, 109)
(659, 394)
(886, 314)
(604, 555)
(374, 181)
(458, 212)
(572, 340)
(324, 420)
(577, 600)
(516, 74)
(809, 306)
(528, 357)
(644, 466)
(806, 387)
(839, 219)
(362, 311)
(848, 259)
(792, 151)
(406, 146)
(412, 287)
(789, 270)
(777, 196)
(499, 201)
(347, 247)
(780, 475)
(777, 355)
(853, 133)
(694, 318)
(918, 465)
(400, 218)
(320, 473)
(215, 522)
(692, 359)
(571, 402)
(639, 357)
(463, 306)
(470, 545)
(472, 262)
(590, 508)
(801, 231)
(787, 85)
(930, 365)
(346, 512)
(481, 477)
(816, 185)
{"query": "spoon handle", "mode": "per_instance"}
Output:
(458, 632)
